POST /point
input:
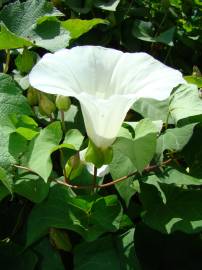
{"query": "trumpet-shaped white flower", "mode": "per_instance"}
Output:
(106, 82)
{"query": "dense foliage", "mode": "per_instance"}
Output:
(150, 218)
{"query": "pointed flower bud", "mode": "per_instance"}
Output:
(74, 166)
(32, 96)
(46, 106)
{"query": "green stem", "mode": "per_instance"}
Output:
(94, 179)
(70, 173)
(167, 118)
(51, 117)
(6, 66)
(63, 166)
(63, 120)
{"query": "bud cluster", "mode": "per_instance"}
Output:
(47, 103)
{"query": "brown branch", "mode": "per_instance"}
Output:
(24, 168)
(111, 183)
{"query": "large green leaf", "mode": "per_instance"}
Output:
(174, 139)
(166, 37)
(180, 178)
(110, 252)
(11, 99)
(128, 125)
(17, 15)
(180, 108)
(17, 145)
(25, 126)
(120, 166)
(141, 149)
(46, 33)
(74, 138)
(9, 40)
(170, 208)
(11, 102)
(6, 159)
(78, 27)
(3, 192)
(49, 34)
(41, 148)
(88, 216)
(6, 179)
(144, 30)
(13, 256)
(31, 187)
(49, 258)
(153, 109)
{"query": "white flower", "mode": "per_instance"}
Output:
(106, 82)
(101, 172)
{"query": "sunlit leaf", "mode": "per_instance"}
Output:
(41, 148)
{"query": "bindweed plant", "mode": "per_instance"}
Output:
(100, 150)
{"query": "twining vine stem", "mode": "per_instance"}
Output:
(110, 183)
(63, 120)
(93, 186)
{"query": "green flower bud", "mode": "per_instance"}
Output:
(74, 161)
(46, 106)
(32, 96)
(74, 167)
(63, 103)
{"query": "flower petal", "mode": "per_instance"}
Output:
(69, 72)
(103, 72)
(141, 75)
(53, 75)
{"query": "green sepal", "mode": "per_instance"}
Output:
(98, 156)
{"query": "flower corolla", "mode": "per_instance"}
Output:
(106, 82)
